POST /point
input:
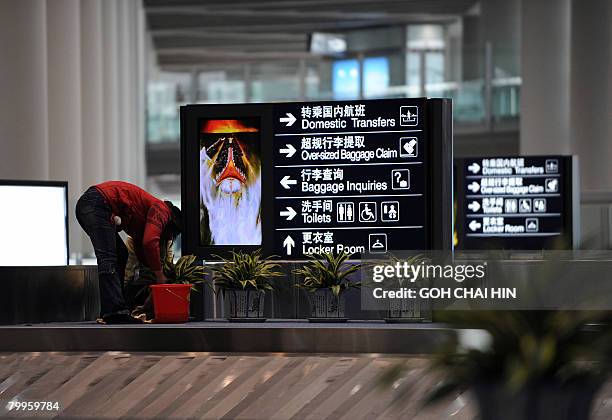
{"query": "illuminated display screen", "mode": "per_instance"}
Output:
(298, 178)
(375, 76)
(34, 225)
(346, 77)
(521, 203)
(230, 182)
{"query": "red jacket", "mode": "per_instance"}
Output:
(143, 217)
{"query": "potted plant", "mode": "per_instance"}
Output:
(243, 279)
(171, 300)
(326, 278)
(409, 310)
(534, 364)
(186, 270)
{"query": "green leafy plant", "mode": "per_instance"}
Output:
(186, 269)
(392, 260)
(328, 271)
(524, 349)
(245, 271)
(412, 261)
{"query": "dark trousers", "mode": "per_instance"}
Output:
(94, 216)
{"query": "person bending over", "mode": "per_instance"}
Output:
(106, 209)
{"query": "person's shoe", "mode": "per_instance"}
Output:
(121, 318)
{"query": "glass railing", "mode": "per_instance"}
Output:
(163, 128)
(506, 97)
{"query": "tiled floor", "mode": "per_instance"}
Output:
(214, 386)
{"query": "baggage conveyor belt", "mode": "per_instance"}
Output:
(220, 336)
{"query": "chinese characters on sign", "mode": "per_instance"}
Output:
(349, 176)
(518, 197)
(293, 179)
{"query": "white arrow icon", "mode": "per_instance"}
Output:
(287, 181)
(474, 225)
(289, 119)
(288, 243)
(288, 151)
(474, 168)
(289, 213)
(474, 206)
(474, 187)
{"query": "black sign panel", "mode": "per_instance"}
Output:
(515, 203)
(356, 176)
(349, 176)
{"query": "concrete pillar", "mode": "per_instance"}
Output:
(124, 92)
(591, 91)
(545, 62)
(472, 48)
(110, 69)
(141, 94)
(64, 103)
(23, 83)
(92, 93)
(501, 28)
(133, 142)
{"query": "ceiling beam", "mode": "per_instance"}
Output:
(208, 33)
(208, 67)
(230, 36)
(282, 13)
(307, 27)
(313, 4)
(250, 47)
(214, 54)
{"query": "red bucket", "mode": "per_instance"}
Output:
(171, 302)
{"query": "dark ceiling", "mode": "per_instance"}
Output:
(209, 33)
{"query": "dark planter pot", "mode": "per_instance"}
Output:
(548, 401)
(196, 303)
(244, 305)
(409, 310)
(327, 307)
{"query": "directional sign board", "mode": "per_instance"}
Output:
(357, 176)
(349, 177)
(516, 202)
